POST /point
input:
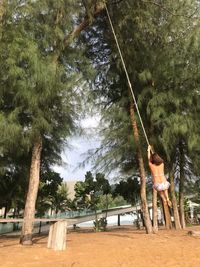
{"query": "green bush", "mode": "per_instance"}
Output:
(100, 224)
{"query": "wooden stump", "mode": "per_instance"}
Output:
(57, 235)
(194, 233)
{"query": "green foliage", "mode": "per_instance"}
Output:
(160, 45)
(195, 190)
(14, 182)
(88, 195)
(88, 192)
(39, 83)
(33, 88)
(53, 194)
(110, 201)
(100, 224)
(47, 193)
(61, 201)
(129, 190)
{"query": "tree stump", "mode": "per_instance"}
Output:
(57, 235)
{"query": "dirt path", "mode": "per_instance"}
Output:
(119, 247)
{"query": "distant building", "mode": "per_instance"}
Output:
(70, 186)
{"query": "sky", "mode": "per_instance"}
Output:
(79, 145)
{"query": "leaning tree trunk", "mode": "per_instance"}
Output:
(29, 212)
(147, 221)
(167, 216)
(1, 10)
(155, 211)
(174, 202)
(181, 187)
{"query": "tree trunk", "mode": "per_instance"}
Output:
(168, 223)
(14, 212)
(96, 221)
(181, 186)
(137, 214)
(1, 10)
(5, 211)
(155, 211)
(147, 221)
(106, 206)
(162, 212)
(118, 220)
(1, 17)
(174, 202)
(40, 227)
(29, 212)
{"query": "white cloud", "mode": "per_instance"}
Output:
(91, 122)
(76, 154)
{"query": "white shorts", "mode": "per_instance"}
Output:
(161, 186)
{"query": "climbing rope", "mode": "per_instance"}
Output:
(126, 72)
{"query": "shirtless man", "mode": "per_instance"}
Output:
(160, 183)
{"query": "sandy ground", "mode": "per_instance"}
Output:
(118, 247)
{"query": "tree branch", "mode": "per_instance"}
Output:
(68, 40)
(168, 11)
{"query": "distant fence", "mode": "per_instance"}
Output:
(73, 214)
(9, 227)
(6, 228)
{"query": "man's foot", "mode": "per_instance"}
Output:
(169, 203)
